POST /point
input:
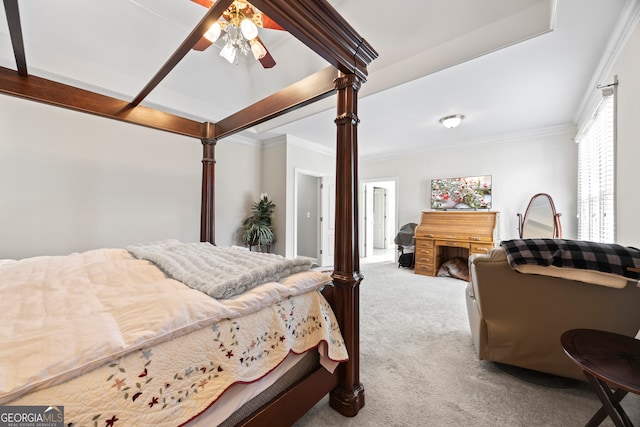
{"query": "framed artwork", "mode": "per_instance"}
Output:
(472, 192)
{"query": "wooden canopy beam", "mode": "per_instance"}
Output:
(319, 26)
(306, 91)
(205, 23)
(61, 95)
(15, 31)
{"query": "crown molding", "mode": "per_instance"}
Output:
(476, 142)
(275, 141)
(241, 139)
(296, 141)
(311, 146)
(629, 19)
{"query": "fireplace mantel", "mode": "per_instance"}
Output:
(443, 234)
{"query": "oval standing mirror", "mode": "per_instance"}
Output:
(540, 220)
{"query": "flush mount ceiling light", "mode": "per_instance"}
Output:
(451, 121)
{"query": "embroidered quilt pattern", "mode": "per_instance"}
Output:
(167, 384)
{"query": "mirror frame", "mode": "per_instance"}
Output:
(557, 226)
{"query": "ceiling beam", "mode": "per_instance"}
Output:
(310, 89)
(319, 26)
(61, 95)
(205, 23)
(15, 31)
(314, 22)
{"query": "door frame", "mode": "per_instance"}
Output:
(321, 225)
(380, 218)
(366, 214)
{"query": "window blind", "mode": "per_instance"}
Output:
(596, 174)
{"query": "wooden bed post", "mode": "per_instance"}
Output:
(348, 397)
(207, 216)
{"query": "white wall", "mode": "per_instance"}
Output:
(71, 181)
(627, 68)
(306, 156)
(519, 168)
(281, 157)
(273, 182)
(238, 175)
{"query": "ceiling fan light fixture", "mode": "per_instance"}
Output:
(229, 52)
(238, 27)
(240, 4)
(213, 32)
(249, 29)
(257, 49)
(452, 121)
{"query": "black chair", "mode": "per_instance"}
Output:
(405, 241)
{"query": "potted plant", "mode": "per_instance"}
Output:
(256, 229)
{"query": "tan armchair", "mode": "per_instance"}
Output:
(518, 318)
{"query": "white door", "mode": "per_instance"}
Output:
(308, 215)
(379, 217)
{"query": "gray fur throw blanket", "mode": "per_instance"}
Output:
(218, 271)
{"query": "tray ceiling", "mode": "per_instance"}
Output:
(436, 57)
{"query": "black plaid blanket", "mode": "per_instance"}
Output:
(604, 257)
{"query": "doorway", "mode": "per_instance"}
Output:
(313, 220)
(378, 218)
(308, 216)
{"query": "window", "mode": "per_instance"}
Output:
(596, 173)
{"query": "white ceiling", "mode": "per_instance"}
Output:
(512, 67)
(532, 87)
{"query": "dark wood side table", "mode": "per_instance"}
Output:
(609, 361)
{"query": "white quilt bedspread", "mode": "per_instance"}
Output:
(64, 316)
(170, 383)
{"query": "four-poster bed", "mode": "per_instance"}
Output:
(320, 27)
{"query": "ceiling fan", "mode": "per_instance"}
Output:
(238, 26)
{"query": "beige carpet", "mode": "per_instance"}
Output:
(419, 368)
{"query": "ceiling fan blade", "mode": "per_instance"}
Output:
(202, 44)
(205, 3)
(258, 48)
(270, 23)
(267, 61)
